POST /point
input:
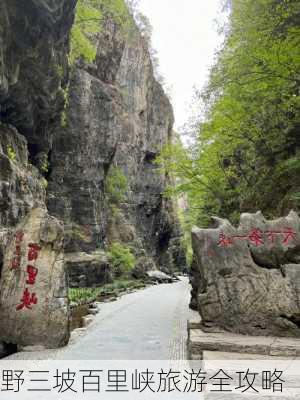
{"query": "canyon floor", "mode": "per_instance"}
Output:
(150, 324)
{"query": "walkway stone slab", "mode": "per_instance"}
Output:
(200, 341)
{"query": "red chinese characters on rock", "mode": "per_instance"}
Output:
(272, 235)
(28, 298)
(16, 261)
(256, 237)
(33, 252)
(224, 241)
(32, 273)
(289, 235)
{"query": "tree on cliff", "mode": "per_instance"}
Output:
(88, 22)
(246, 156)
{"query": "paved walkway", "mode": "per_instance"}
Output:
(146, 325)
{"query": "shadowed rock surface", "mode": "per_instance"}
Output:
(64, 128)
(21, 185)
(34, 42)
(117, 116)
(247, 278)
(88, 270)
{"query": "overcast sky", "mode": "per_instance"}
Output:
(185, 37)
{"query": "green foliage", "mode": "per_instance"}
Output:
(83, 295)
(63, 119)
(89, 295)
(11, 153)
(44, 183)
(88, 22)
(45, 166)
(246, 156)
(64, 116)
(59, 71)
(79, 232)
(116, 186)
(121, 258)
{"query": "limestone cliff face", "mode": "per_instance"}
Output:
(116, 116)
(34, 41)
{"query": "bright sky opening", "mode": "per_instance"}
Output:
(185, 37)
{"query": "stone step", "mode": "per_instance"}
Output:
(200, 341)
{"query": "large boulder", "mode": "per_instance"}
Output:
(33, 289)
(161, 277)
(88, 270)
(142, 267)
(247, 279)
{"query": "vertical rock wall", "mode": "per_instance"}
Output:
(57, 154)
(34, 42)
(117, 117)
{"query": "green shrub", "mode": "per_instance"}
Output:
(88, 295)
(45, 166)
(63, 119)
(64, 116)
(44, 183)
(79, 232)
(59, 70)
(11, 153)
(88, 22)
(121, 258)
(116, 186)
(82, 296)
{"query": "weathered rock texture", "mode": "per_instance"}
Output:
(33, 291)
(62, 130)
(21, 186)
(34, 40)
(88, 270)
(247, 279)
(34, 43)
(117, 117)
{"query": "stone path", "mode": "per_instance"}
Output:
(214, 344)
(146, 325)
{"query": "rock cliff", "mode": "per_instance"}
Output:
(65, 130)
(117, 119)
